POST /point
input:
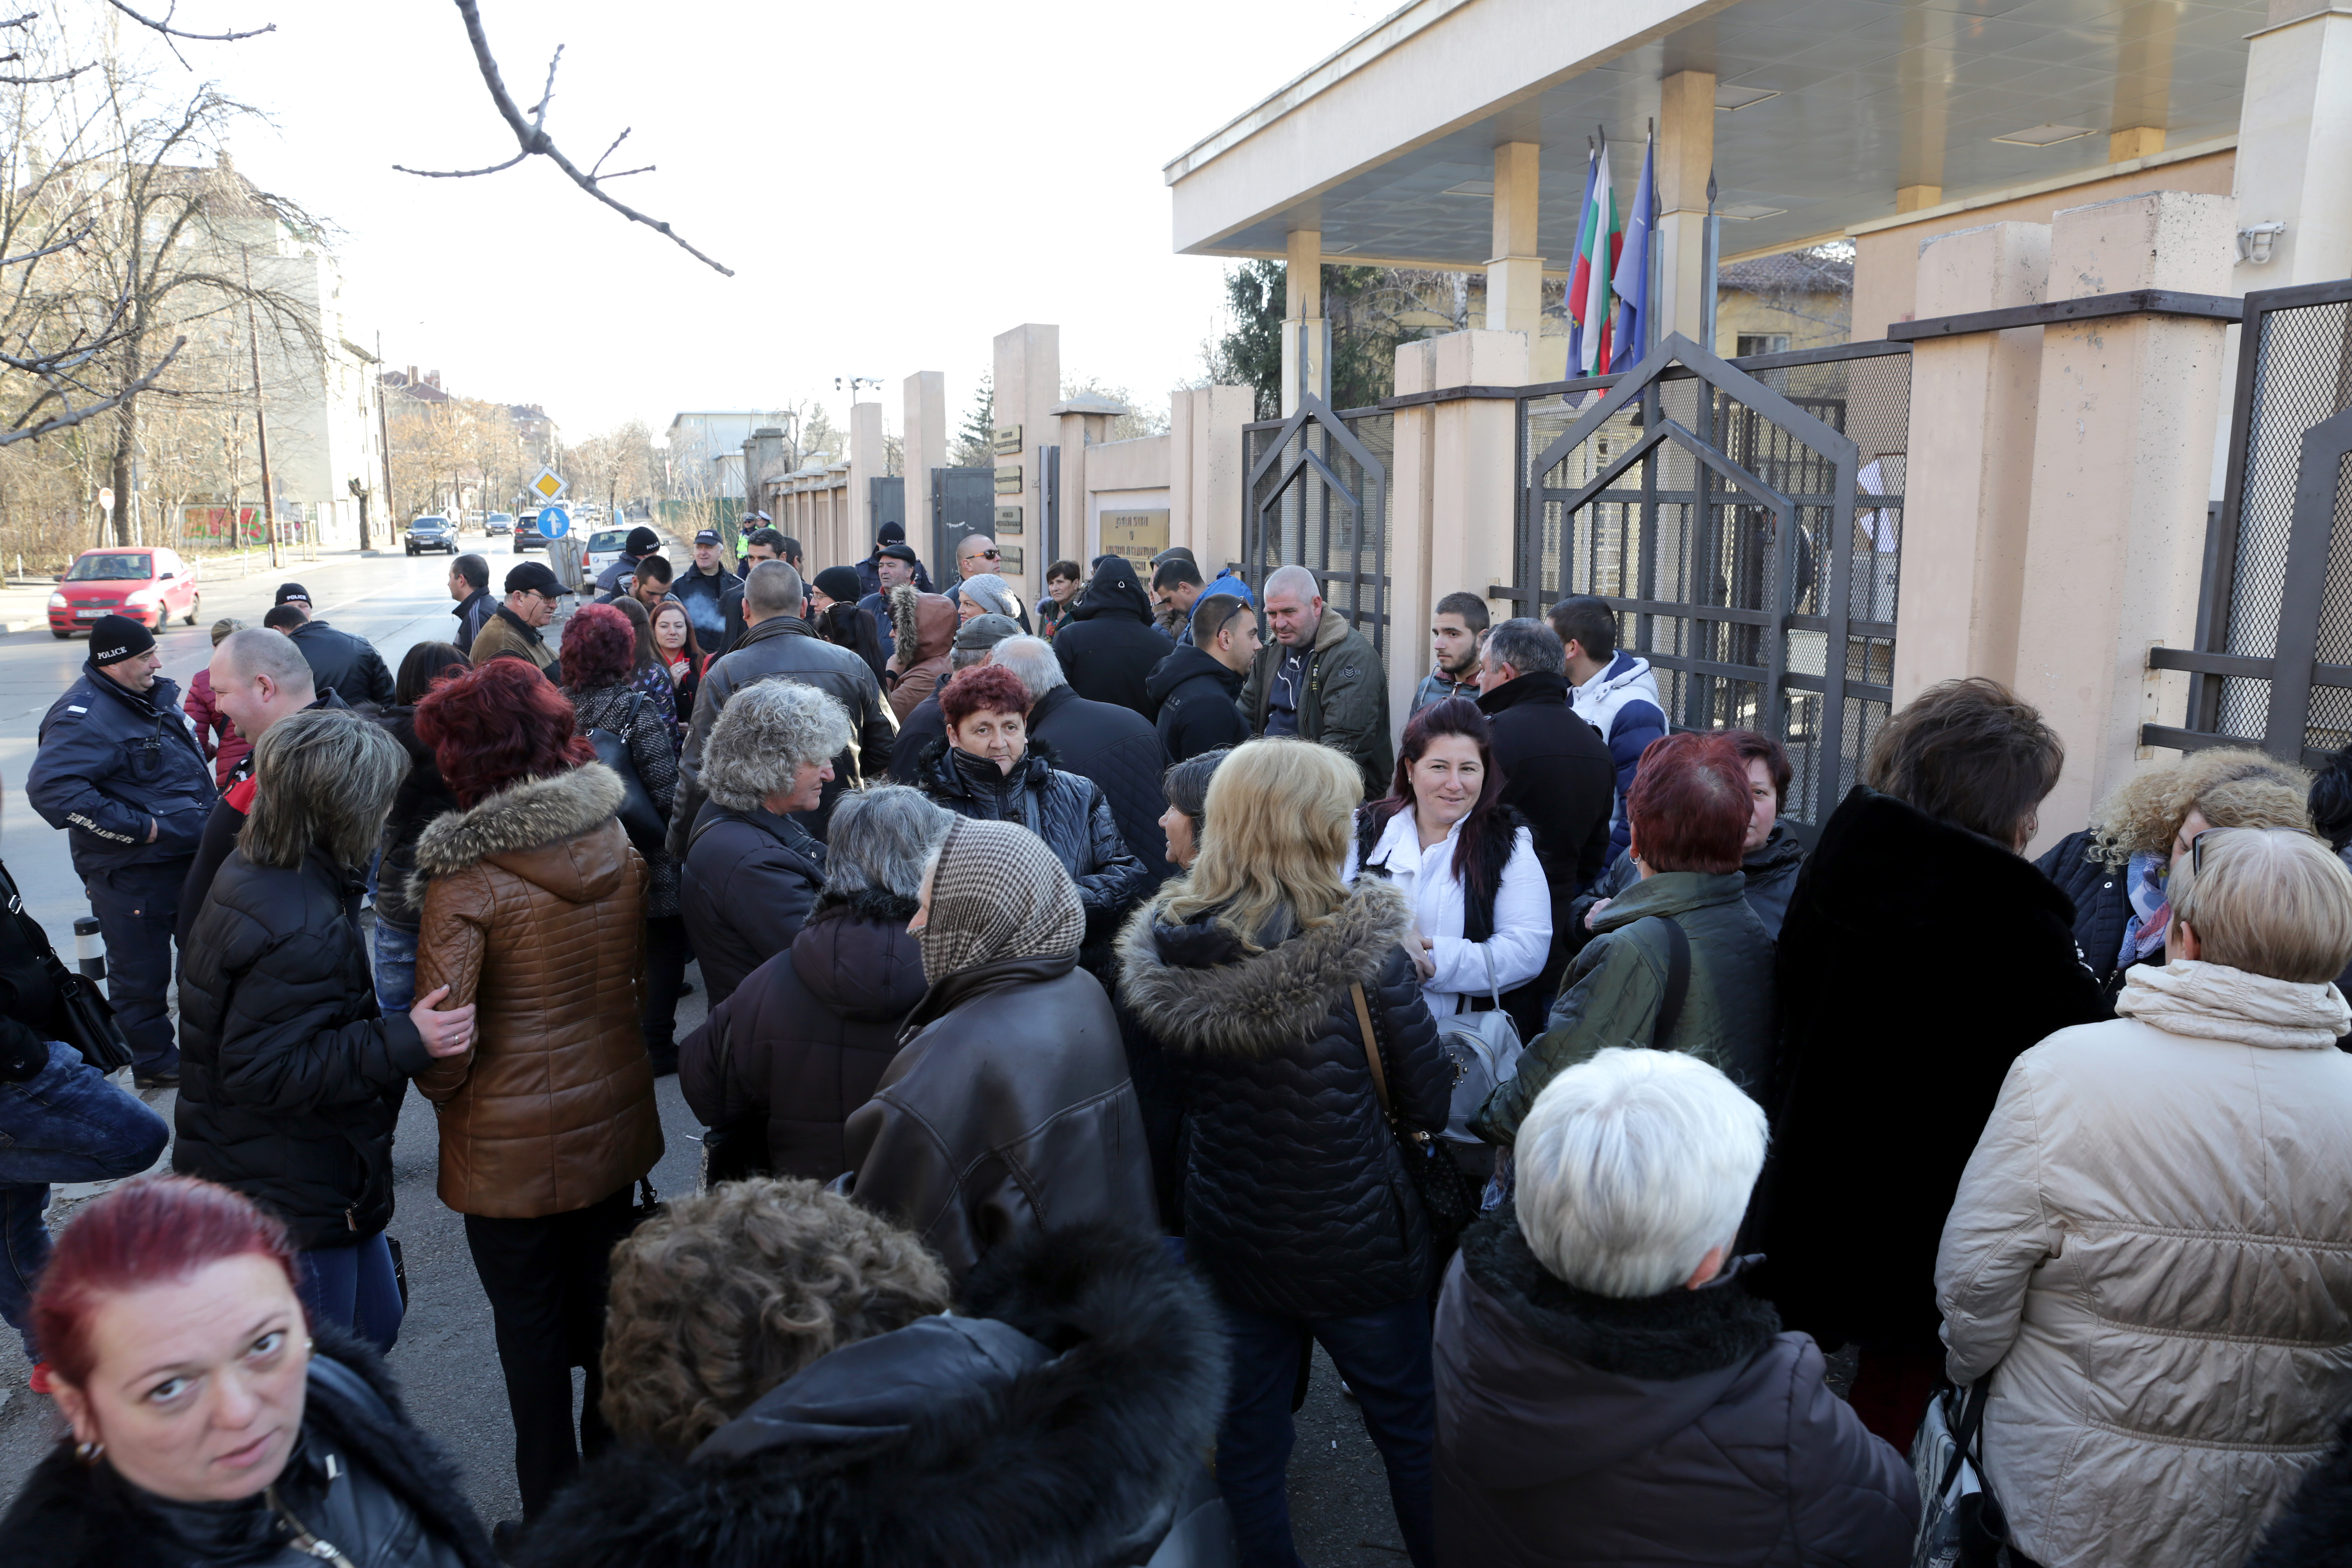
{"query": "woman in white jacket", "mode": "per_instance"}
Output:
(2151, 1252)
(1482, 911)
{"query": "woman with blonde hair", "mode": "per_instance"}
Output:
(2115, 870)
(1250, 974)
(2152, 1242)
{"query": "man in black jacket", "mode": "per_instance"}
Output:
(760, 544)
(1108, 646)
(869, 574)
(119, 768)
(1198, 688)
(1556, 767)
(469, 584)
(339, 661)
(1096, 740)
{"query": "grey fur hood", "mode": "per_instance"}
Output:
(528, 816)
(1196, 991)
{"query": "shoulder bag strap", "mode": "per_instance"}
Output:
(1678, 965)
(1371, 1051)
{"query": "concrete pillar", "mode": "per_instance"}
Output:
(1968, 483)
(1028, 385)
(854, 532)
(1078, 427)
(2143, 90)
(2114, 544)
(1306, 333)
(1912, 198)
(1206, 476)
(1686, 160)
(923, 448)
(1452, 498)
(2294, 143)
(1515, 270)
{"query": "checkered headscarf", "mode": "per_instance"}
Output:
(997, 893)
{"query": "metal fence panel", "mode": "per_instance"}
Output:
(1318, 496)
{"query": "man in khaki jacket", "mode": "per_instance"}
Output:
(513, 629)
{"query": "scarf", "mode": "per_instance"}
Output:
(2145, 880)
(997, 893)
(2214, 1002)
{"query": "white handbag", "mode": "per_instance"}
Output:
(1484, 1050)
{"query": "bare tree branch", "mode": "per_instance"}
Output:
(530, 135)
(164, 26)
(459, 173)
(26, 20)
(76, 416)
(42, 80)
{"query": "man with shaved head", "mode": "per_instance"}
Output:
(1320, 679)
(258, 677)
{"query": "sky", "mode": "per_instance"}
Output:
(894, 185)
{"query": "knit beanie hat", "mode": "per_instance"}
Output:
(839, 582)
(997, 893)
(113, 639)
(991, 593)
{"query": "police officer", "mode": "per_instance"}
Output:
(119, 768)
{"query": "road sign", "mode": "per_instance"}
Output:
(549, 485)
(106, 499)
(554, 522)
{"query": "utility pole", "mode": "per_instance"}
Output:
(384, 442)
(261, 419)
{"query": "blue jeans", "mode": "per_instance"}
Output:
(396, 966)
(1385, 1358)
(137, 906)
(353, 1288)
(67, 1123)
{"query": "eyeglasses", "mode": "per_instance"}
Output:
(993, 555)
(2197, 850)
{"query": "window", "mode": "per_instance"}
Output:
(112, 569)
(1762, 343)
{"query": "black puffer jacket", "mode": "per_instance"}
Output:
(1118, 751)
(422, 795)
(290, 1077)
(1295, 1200)
(363, 1477)
(2103, 911)
(1558, 774)
(750, 881)
(1108, 644)
(808, 1034)
(349, 664)
(1677, 1428)
(650, 737)
(1057, 1420)
(1069, 813)
(1198, 704)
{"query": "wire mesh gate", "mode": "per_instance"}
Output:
(2272, 664)
(1744, 521)
(1318, 496)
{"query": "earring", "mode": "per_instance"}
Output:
(88, 1453)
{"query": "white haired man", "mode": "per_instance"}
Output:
(1603, 1376)
(1320, 679)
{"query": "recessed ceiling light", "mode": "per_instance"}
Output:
(1746, 211)
(1470, 188)
(1732, 98)
(2045, 135)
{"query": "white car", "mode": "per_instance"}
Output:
(604, 548)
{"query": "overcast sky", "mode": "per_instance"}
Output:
(893, 184)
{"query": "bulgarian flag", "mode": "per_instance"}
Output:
(1575, 296)
(1591, 302)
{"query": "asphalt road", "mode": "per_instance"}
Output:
(445, 1359)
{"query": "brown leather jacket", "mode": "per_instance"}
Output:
(1007, 1110)
(535, 913)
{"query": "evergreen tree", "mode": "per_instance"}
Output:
(975, 444)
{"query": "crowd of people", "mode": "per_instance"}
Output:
(1108, 1005)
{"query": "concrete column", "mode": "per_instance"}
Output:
(867, 461)
(1912, 198)
(923, 448)
(1515, 270)
(1686, 160)
(1205, 474)
(2114, 544)
(1451, 492)
(1078, 429)
(2294, 143)
(1028, 385)
(1969, 479)
(1306, 333)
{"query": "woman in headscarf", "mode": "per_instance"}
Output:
(1008, 1098)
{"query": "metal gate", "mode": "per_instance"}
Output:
(963, 501)
(1744, 521)
(1318, 496)
(2271, 662)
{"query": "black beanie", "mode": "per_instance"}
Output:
(641, 542)
(114, 638)
(890, 534)
(839, 582)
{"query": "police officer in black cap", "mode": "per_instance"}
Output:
(119, 770)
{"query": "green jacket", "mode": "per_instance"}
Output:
(1610, 995)
(1346, 703)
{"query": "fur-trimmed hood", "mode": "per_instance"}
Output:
(1196, 991)
(527, 830)
(1054, 1422)
(923, 625)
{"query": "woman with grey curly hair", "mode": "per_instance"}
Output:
(2118, 869)
(779, 1065)
(752, 871)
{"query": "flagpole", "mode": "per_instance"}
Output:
(1712, 252)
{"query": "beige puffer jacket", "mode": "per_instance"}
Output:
(2151, 1254)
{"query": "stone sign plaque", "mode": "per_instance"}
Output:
(1008, 521)
(1008, 481)
(1136, 535)
(1008, 440)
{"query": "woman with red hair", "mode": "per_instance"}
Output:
(210, 1422)
(1679, 961)
(534, 911)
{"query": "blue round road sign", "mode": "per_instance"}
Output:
(554, 522)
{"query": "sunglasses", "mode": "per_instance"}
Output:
(2197, 850)
(993, 555)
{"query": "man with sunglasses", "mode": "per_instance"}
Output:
(976, 554)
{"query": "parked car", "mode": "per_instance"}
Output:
(499, 522)
(432, 531)
(604, 548)
(148, 585)
(526, 533)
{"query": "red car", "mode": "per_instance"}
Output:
(147, 585)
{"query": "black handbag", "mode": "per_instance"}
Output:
(85, 1017)
(640, 818)
(1449, 1200)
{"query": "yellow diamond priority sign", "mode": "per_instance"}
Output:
(549, 485)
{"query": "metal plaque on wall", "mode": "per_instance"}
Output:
(1008, 481)
(1008, 521)
(1136, 535)
(1009, 560)
(1008, 440)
